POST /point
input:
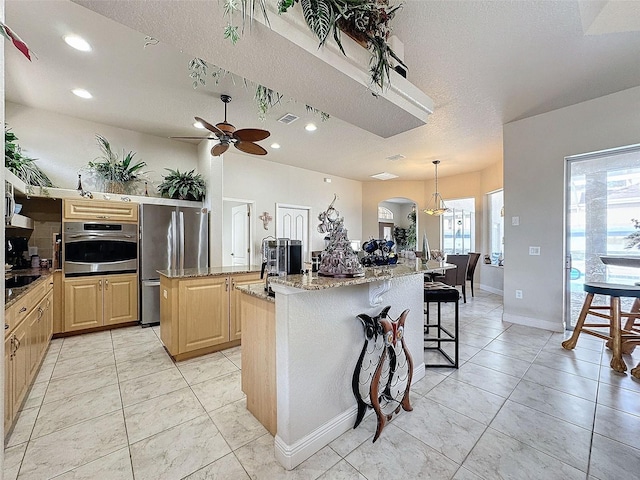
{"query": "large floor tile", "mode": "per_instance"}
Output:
(237, 425)
(426, 383)
(342, 471)
(611, 460)
(353, 438)
(487, 379)
(35, 395)
(568, 364)
(563, 381)
(618, 425)
(259, 460)
(86, 363)
(623, 380)
(65, 387)
(115, 466)
(225, 468)
(502, 363)
(131, 336)
(75, 350)
(129, 353)
(464, 474)
(157, 414)
(235, 355)
(579, 352)
(220, 391)
(149, 386)
(151, 363)
(12, 460)
(23, 426)
(498, 456)
(545, 433)
(74, 446)
(76, 409)
(206, 368)
(525, 353)
(400, 456)
(619, 398)
(178, 451)
(561, 405)
(467, 400)
(443, 429)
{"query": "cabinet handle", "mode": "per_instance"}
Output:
(40, 312)
(226, 285)
(6, 326)
(106, 284)
(16, 341)
(13, 352)
(102, 216)
(23, 309)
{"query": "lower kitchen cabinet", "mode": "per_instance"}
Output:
(97, 301)
(201, 314)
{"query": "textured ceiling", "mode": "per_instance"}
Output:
(484, 63)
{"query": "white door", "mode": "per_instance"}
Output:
(240, 221)
(293, 222)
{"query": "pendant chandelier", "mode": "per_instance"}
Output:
(436, 207)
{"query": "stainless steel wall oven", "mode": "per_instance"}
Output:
(99, 248)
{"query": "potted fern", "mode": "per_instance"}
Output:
(116, 176)
(183, 185)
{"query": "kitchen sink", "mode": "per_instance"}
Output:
(20, 281)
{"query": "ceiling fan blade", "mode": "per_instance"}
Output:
(212, 128)
(251, 134)
(250, 147)
(196, 138)
(219, 149)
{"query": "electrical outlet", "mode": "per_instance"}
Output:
(534, 250)
(515, 221)
(518, 293)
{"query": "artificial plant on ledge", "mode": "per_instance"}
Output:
(22, 166)
(367, 21)
(116, 176)
(183, 185)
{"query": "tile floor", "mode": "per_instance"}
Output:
(112, 405)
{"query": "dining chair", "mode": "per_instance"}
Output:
(457, 276)
(473, 262)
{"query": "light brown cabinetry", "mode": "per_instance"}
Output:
(26, 341)
(100, 210)
(97, 301)
(200, 315)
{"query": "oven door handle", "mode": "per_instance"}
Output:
(99, 235)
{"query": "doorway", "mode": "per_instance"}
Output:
(237, 244)
(397, 221)
(602, 199)
(292, 222)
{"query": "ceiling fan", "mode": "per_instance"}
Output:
(227, 135)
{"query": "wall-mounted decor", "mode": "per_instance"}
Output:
(383, 373)
(266, 218)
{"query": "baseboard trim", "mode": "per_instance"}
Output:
(290, 456)
(489, 289)
(533, 322)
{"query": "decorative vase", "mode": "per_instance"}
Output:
(426, 252)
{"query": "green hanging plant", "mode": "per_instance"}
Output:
(183, 185)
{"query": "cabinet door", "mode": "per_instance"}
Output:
(235, 325)
(82, 303)
(203, 313)
(34, 337)
(8, 383)
(48, 331)
(21, 363)
(120, 299)
(97, 210)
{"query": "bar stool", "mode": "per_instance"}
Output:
(617, 336)
(439, 293)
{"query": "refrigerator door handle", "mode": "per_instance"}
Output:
(151, 283)
(174, 243)
(181, 226)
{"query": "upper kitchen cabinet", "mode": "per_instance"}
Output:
(100, 210)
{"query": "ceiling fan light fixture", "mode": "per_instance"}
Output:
(82, 93)
(436, 207)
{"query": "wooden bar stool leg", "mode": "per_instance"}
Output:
(617, 363)
(570, 343)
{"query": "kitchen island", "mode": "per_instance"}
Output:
(199, 309)
(299, 353)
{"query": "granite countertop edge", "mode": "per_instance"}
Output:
(256, 290)
(18, 292)
(208, 272)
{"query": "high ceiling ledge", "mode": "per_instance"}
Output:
(292, 64)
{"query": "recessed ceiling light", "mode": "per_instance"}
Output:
(395, 157)
(310, 127)
(384, 176)
(82, 93)
(275, 145)
(77, 42)
(327, 180)
(198, 125)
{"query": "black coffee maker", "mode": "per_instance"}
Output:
(14, 249)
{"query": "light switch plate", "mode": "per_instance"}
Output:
(515, 221)
(534, 250)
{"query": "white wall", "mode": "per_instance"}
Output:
(534, 168)
(65, 145)
(2, 117)
(267, 183)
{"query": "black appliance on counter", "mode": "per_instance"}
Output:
(280, 256)
(14, 249)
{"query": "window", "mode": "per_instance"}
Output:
(458, 226)
(495, 204)
(384, 213)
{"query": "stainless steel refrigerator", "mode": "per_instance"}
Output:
(171, 238)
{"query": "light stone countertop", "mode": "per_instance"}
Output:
(256, 290)
(11, 295)
(312, 281)
(208, 272)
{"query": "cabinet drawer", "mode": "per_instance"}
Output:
(98, 210)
